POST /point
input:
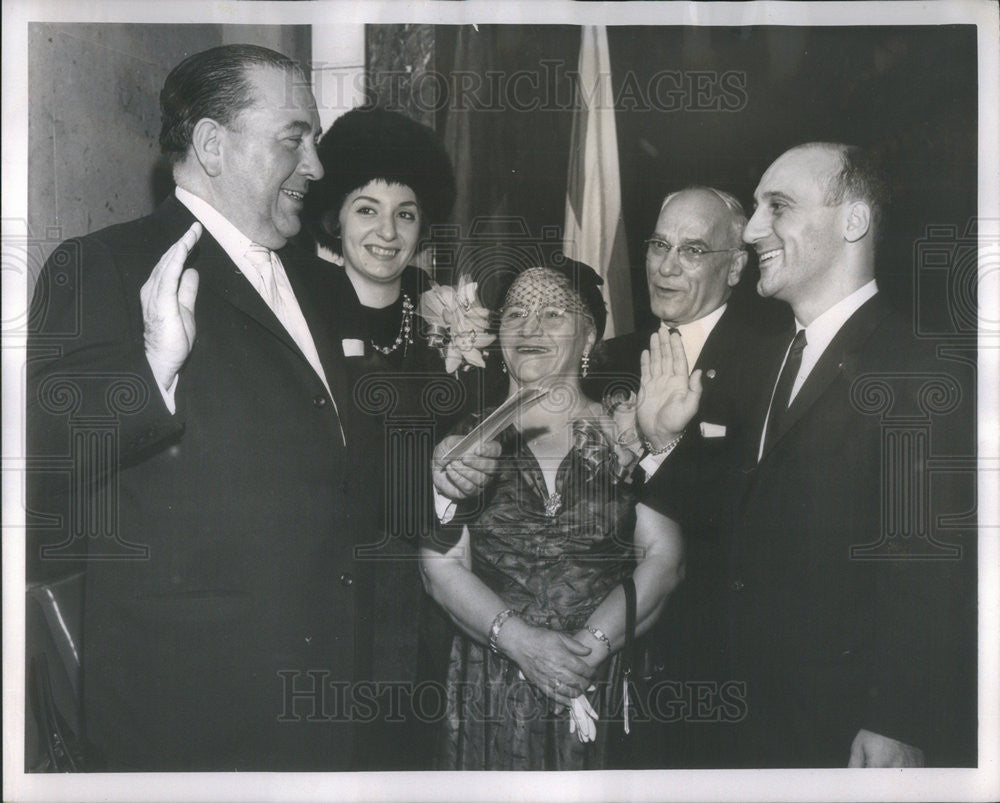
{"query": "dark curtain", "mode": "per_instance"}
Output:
(716, 106)
(507, 127)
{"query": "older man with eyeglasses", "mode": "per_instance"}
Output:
(695, 258)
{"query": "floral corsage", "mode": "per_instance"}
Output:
(458, 324)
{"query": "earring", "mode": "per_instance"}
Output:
(503, 366)
(585, 363)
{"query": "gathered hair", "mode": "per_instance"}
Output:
(862, 177)
(211, 84)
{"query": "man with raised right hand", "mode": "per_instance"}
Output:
(218, 637)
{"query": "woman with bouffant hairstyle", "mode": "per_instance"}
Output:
(387, 180)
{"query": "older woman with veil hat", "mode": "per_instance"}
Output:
(534, 571)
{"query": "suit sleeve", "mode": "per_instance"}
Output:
(924, 680)
(86, 364)
(923, 685)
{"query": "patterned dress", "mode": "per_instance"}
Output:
(553, 560)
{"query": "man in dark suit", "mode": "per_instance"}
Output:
(852, 621)
(694, 260)
(185, 363)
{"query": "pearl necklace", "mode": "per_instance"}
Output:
(405, 331)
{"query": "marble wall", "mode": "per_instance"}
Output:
(93, 116)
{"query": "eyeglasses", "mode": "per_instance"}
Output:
(549, 317)
(688, 254)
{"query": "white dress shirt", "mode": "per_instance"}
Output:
(695, 333)
(285, 307)
(819, 334)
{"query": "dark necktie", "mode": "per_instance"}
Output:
(783, 391)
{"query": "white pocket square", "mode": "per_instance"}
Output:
(712, 430)
(353, 347)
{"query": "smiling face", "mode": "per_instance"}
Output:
(544, 330)
(268, 157)
(681, 291)
(797, 235)
(379, 232)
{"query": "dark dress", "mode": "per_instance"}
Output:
(412, 403)
(554, 569)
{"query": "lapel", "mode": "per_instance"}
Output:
(717, 355)
(219, 275)
(838, 359)
(719, 344)
(316, 304)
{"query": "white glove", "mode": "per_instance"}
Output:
(583, 719)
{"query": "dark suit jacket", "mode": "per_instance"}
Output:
(219, 541)
(833, 627)
(697, 486)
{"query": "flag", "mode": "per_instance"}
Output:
(594, 232)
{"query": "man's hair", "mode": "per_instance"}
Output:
(862, 177)
(212, 84)
(737, 215)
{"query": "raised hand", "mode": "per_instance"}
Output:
(668, 397)
(467, 475)
(168, 309)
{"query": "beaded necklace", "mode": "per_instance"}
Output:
(405, 335)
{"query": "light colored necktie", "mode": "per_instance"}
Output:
(267, 286)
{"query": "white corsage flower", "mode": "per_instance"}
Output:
(459, 324)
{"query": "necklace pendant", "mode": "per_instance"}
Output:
(552, 504)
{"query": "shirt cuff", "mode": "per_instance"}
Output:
(652, 462)
(444, 507)
(168, 394)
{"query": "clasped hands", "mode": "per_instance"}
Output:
(554, 663)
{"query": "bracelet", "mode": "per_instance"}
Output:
(498, 622)
(667, 447)
(600, 636)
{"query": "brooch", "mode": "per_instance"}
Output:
(552, 504)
